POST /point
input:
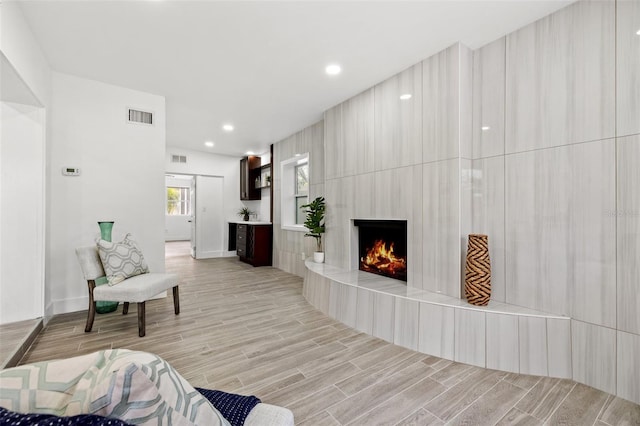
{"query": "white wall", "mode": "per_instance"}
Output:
(21, 49)
(22, 52)
(177, 228)
(122, 179)
(21, 212)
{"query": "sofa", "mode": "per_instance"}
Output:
(130, 386)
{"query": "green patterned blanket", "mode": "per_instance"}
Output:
(137, 387)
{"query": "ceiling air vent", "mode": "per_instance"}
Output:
(143, 117)
(178, 158)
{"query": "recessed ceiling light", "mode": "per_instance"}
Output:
(333, 69)
(209, 144)
(250, 153)
(227, 127)
(405, 96)
(485, 128)
(638, 32)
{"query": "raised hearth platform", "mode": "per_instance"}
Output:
(499, 336)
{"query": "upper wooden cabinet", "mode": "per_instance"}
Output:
(249, 176)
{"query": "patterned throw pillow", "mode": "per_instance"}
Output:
(121, 260)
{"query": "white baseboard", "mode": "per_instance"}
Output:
(48, 313)
(65, 306)
(212, 254)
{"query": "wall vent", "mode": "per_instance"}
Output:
(143, 117)
(178, 158)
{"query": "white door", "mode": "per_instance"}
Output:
(192, 219)
(209, 217)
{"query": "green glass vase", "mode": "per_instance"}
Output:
(103, 307)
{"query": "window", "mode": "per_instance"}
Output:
(294, 191)
(178, 201)
(301, 176)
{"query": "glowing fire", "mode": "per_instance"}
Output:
(381, 260)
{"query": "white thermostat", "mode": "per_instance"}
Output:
(71, 171)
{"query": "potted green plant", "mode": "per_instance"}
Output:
(315, 225)
(245, 213)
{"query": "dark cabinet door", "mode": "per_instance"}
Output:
(244, 179)
(253, 244)
(241, 240)
(249, 171)
(260, 241)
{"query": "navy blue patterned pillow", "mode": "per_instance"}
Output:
(11, 418)
(235, 408)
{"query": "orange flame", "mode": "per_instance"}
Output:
(381, 260)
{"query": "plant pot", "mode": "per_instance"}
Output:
(318, 256)
(104, 307)
(245, 218)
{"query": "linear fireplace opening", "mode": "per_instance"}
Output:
(382, 247)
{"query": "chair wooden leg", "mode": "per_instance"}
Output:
(141, 321)
(176, 300)
(90, 316)
(125, 308)
(91, 313)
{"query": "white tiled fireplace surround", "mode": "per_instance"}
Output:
(499, 336)
(552, 180)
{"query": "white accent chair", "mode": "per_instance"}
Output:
(136, 289)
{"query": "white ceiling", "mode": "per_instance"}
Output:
(258, 64)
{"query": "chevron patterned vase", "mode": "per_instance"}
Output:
(477, 271)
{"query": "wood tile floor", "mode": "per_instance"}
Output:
(15, 339)
(249, 330)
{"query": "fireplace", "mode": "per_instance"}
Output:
(382, 247)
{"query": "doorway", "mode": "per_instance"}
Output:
(195, 213)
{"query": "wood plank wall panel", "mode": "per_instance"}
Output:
(559, 348)
(395, 198)
(441, 112)
(406, 323)
(594, 355)
(557, 231)
(332, 142)
(502, 342)
(628, 383)
(628, 68)
(532, 336)
(358, 156)
(340, 193)
(436, 330)
(560, 78)
(441, 227)
(627, 215)
(488, 210)
(470, 337)
(488, 99)
(398, 123)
